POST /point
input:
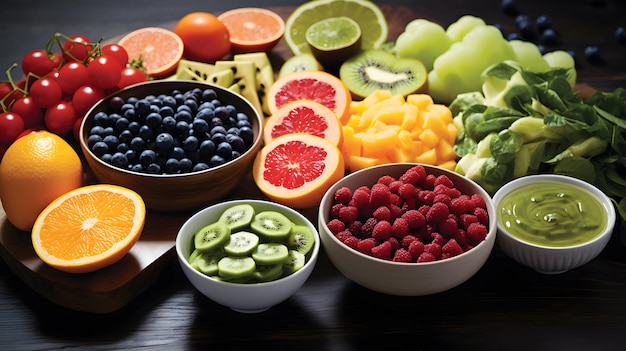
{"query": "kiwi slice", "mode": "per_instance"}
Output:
(212, 236)
(231, 267)
(268, 272)
(297, 63)
(205, 262)
(241, 243)
(271, 225)
(270, 253)
(301, 239)
(295, 261)
(376, 69)
(238, 216)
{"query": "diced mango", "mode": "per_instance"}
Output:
(453, 131)
(419, 100)
(429, 138)
(376, 97)
(436, 125)
(428, 157)
(445, 151)
(356, 163)
(449, 165)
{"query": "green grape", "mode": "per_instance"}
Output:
(562, 59)
(465, 24)
(423, 40)
(529, 56)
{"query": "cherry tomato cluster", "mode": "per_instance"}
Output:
(60, 84)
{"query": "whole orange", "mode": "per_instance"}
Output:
(204, 36)
(35, 170)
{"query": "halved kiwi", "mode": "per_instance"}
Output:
(376, 69)
(238, 216)
(271, 225)
(297, 63)
(212, 236)
(301, 238)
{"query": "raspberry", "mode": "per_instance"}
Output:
(454, 192)
(360, 198)
(368, 227)
(402, 255)
(443, 179)
(335, 226)
(434, 249)
(426, 257)
(396, 211)
(380, 195)
(421, 172)
(416, 248)
(482, 215)
(343, 195)
(343, 235)
(352, 242)
(355, 228)
(444, 198)
(407, 191)
(461, 237)
(478, 201)
(429, 181)
(386, 179)
(448, 227)
(382, 231)
(334, 211)
(400, 228)
(425, 197)
(476, 232)
(415, 219)
(438, 239)
(460, 205)
(395, 244)
(383, 213)
(442, 189)
(452, 248)
(394, 186)
(409, 204)
(437, 213)
(407, 240)
(424, 210)
(382, 250)
(366, 245)
(466, 219)
(411, 176)
(348, 214)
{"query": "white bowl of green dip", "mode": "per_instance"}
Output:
(552, 223)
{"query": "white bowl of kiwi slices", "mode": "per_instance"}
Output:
(248, 255)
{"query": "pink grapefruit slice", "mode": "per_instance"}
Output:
(304, 116)
(319, 86)
(297, 169)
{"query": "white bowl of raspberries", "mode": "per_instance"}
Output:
(407, 229)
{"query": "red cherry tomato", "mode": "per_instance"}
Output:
(46, 92)
(60, 118)
(77, 48)
(72, 75)
(85, 97)
(117, 52)
(131, 75)
(30, 112)
(38, 63)
(11, 125)
(104, 72)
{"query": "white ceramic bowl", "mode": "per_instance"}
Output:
(404, 279)
(548, 259)
(246, 298)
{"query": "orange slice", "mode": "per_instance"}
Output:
(160, 50)
(318, 86)
(297, 169)
(253, 29)
(304, 116)
(89, 228)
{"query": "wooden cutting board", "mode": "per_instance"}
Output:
(111, 288)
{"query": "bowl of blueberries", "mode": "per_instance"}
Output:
(179, 144)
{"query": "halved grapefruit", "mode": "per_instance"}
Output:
(304, 116)
(297, 169)
(318, 86)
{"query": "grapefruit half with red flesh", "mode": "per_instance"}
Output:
(296, 169)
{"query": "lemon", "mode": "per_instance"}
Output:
(367, 14)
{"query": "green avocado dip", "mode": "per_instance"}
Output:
(551, 213)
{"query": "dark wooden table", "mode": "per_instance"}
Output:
(504, 306)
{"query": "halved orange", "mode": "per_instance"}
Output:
(304, 116)
(159, 49)
(297, 169)
(253, 29)
(318, 86)
(89, 228)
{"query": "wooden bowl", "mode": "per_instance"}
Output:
(183, 191)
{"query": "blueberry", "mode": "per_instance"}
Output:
(147, 157)
(121, 123)
(592, 53)
(620, 34)
(243, 123)
(116, 102)
(509, 7)
(142, 107)
(200, 126)
(526, 29)
(172, 165)
(201, 166)
(100, 118)
(130, 114)
(137, 168)
(153, 168)
(209, 94)
(108, 131)
(166, 111)
(184, 116)
(153, 120)
(550, 37)
(164, 141)
(192, 104)
(224, 149)
(131, 155)
(169, 101)
(232, 110)
(178, 153)
(543, 22)
(236, 142)
(247, 135)
(134, 127)
(222, 113)
(122, 147)
(106, 157)
(125, 107)
(119, 160)
(206, 114)
(146, 132)
(182, 129)
(217, 160)
(111, 141)
(216, 102)
(100, 148)
(190, 143)
(218, 138)
(218, 129)
(206, 104)
(92, 139)
(185, 165)
(137, 144)
(512, 36)
(97, 130)
(169, 124)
